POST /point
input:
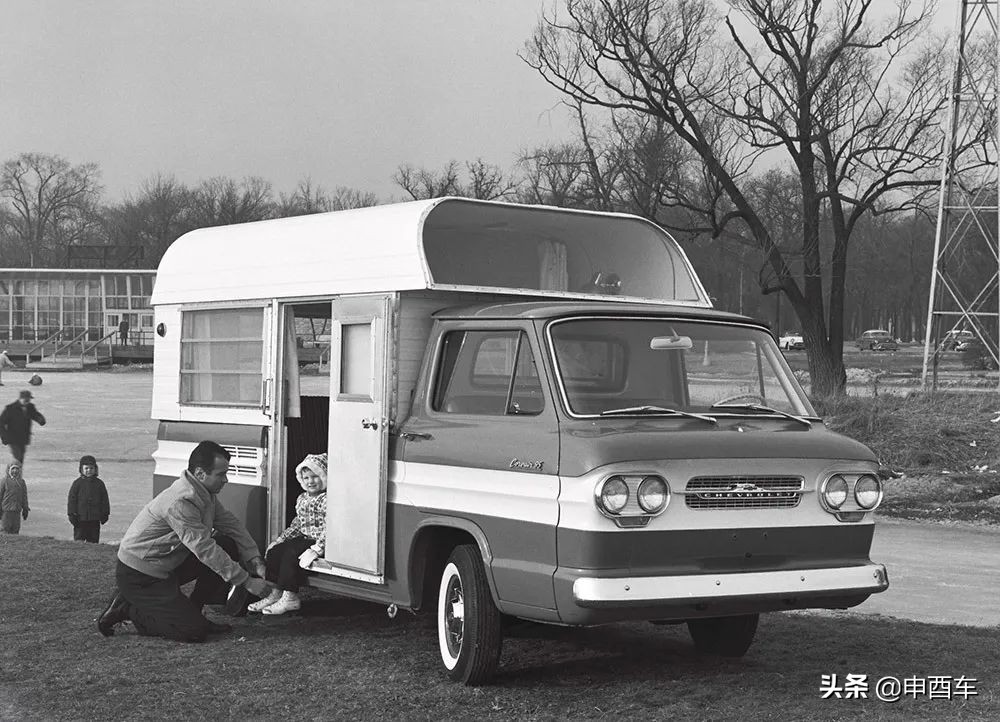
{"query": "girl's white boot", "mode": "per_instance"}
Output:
(267, 601)
(289, 602)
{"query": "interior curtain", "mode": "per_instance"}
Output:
(553, 272)
(293, 406)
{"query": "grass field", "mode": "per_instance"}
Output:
(347, 660)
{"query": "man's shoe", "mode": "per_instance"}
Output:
(237, 601)
(115, 613)
(217, 628)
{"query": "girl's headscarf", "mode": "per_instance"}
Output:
(314, 462)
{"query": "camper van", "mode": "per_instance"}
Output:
(530, 412)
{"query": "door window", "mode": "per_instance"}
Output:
(489, 373)
(356, 361)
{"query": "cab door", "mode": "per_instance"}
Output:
(357, 443)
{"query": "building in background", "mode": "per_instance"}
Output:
(87, 305)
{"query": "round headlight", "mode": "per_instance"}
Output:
(868, 492)
(653, 494)
(614, 495)
(835, 492)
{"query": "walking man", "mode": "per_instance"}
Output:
(15, 424)
(171, 542)
(123, 332)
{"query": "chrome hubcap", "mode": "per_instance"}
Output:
(454, 616)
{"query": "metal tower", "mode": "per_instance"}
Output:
(965, 283)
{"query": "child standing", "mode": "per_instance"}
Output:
(88, 506)
(306, 534)
(13, 499)
(5, 362)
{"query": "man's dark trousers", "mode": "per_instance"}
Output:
(17, 451)
(157, 607)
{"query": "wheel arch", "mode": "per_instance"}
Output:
(432, 543)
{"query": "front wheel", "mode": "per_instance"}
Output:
(724, 636)
(469, 624)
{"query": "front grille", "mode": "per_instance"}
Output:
(743, 492)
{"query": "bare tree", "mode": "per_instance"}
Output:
(485, 181)
(309, 198)
(221, 201)
(46, 204)
(554, 175)
(849, 101)
(153, 218)
(421, 183)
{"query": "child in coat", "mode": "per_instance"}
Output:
(304, 537)
(88, 506)
(13, 499)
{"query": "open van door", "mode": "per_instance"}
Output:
(357, 444)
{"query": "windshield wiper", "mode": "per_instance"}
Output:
(649, 409)
(764, 409)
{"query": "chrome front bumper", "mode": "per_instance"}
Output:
(651, 591)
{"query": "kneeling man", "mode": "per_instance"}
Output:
(171, 542)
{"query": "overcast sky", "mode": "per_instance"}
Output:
(342, 91)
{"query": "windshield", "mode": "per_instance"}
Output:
(619, 366)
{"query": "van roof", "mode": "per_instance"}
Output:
(443, 243)
(556, 309)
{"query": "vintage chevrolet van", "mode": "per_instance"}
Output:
(529, 411)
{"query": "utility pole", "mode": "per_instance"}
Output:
(965, 282)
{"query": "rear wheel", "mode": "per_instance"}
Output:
(469, 624)
(724, 636)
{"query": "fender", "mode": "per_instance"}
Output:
(459, 524)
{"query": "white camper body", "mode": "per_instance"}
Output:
(377, 274)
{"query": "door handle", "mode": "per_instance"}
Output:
(369, 424)
(414, 435)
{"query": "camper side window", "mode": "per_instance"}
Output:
(489, 373)
(222, 356)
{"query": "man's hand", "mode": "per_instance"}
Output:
(258, 587)
(74, 519)
(257, 567)
(25, 514)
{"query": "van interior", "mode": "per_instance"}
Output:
(308, 382)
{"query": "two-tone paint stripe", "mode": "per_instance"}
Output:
(569, 502)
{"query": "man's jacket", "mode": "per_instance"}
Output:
(15, 423)
(178, 522)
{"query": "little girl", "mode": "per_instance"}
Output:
(13, 500)
(307, 532)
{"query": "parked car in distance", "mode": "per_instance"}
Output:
(975, 355)
(954, 339)
(877, 339)
(791, 342)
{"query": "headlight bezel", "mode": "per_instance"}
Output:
(633, 513)
(851, 509)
